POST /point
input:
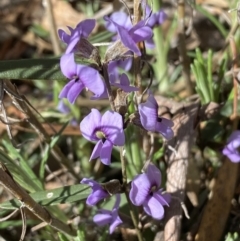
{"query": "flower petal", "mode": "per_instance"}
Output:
(153, 208)
(86, 26)
(96, 150)
(154, 175)
(164, 199)
(68, 66)
(74, 91)
(140, 188)
(115, 221)
(106, 152)
(66, 88)
(148, 113)
(90, 124)
(92, 80)
(164, 127)
(112, 127)
(104, 217)
(98, 193)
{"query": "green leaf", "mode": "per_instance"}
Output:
(42, 69)
(48, 149)
(65, 194)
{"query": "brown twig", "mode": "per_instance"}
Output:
(18, 192)
(53, 32)
(23, 105)
(184, 130)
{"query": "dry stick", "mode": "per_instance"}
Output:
(184, 125)
(18, 192)
(218, 207)
(109, 89)
(53, 32)
(33, 121)
(182, 47)
(136, 58)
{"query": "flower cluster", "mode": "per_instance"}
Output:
(107, 130)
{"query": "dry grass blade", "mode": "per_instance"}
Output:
(24, 106)
(9, 216)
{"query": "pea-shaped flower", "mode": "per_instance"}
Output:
(80, 76)
(231, 149)
(145, 191)
(151, 121)
(82, 30)
(111, 218)
(107, 130)
(98, 193)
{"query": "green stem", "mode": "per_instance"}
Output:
(161, 53)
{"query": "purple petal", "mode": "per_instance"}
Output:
(63, 36)
(234, 136)
(98, 193)
(89, 125)
(96, 150)
(87, 27)
(141, 34)
(74, 91)
(231, 149)
(140, 189)
(92, 80)
(112, 127)
(149, 113)
(118, 17)
(106, 152)
(115, 221)
(153, 208)
(154, 175)
(68, 66)
(127, 40)
(103, 218)
(164, 199)
(66, 88)
(164, 127)
(73, 40)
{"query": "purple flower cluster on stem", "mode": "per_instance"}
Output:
(107, 130)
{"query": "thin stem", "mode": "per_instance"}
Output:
(161, 53)
(136, 58)
(132, 213)
(109, 89)
(53, 32)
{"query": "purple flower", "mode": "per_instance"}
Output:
(107, 130)
(80, 76)
(231, 149)
(145, 191)
(98, 193)
(105, 217)
(150, 121)
(131, 36)
(154, 19)
(83, 29)
(123, 83)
